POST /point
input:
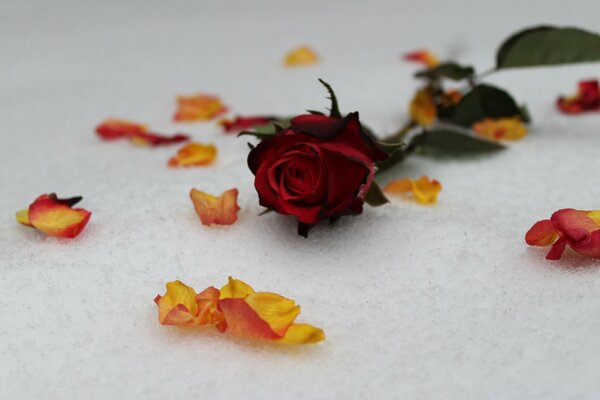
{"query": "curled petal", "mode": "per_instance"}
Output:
(542, 233)
(55, 217)
(178, 306)
(200, 107)
(113, 128)
(424, 190)
(586, 99)
(424, 57)
(302, 334)
(302, 55)
(236, 289)
(193, 155)
(208, 311)
(501, 128)
(422, 107)
(220, 210)
(580, 230)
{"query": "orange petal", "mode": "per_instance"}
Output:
(302, 334)
(302, 55)
(424, 57)
(207, 301)
(241, 320)
(236, 289)
(542, 233)
(156, 139)
(55, 217)
(113, 128)
(194, 154)
(178, 306)
(422, 107)
(220, 210)
(501, 128)
(200, 107)
(424, 190)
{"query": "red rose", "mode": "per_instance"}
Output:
(318, 168)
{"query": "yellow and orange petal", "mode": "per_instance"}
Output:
(424, 190)
(178, 306)
(221, 210)
(239, 310)
(424, 57)
(200, 107)
(194, 155)
(422, 108)
(501, 128)
(302, 55)
(55, 217)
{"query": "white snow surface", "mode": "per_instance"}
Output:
(440, 302)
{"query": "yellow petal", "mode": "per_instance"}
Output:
(236, 289)
(194, 155)
(23, 217)
(302, 55)
(424, 190)
(302, 334)
(279, 312)
(594, 216)
(177, 293)
(422, 107)
(501, 128)
(221, 210)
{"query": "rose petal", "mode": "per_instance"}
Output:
(193, 155)
(241, 320)
(424, 190)
(23, 217)
(113, 128)
(542, 233)
(155, 139)
(236, 289)
(501, 128)
(586, 99)
(208, 311)
(302, 334)
(422, 107)
(178, 306)
(50, 215)
(302, 55)
(422, 56)
(220, 210)
(200, 107)
(277, 311)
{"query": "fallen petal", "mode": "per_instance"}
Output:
(241, 123)
(586, 99)
(194, 155)
(200, 107)
(424, 57)
(220, 210)
(113, 128)
(178, 306)
(55, 217)
(424, 190)
(302, 55)
(501, 128)
(302, 334)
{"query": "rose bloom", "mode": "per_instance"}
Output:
(320, 167)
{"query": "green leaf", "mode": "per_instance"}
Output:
(314, 112)
(334, 111)
(266, 130)
(484, 101)
(450, 70)
(548, 45)
(375, 196)
(453, 140)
